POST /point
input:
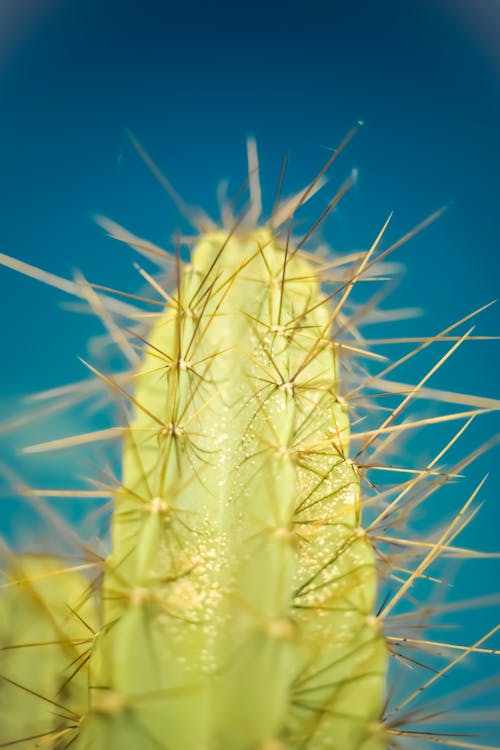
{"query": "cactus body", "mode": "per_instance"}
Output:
(43, 646)
(236, 610)
(240, 582)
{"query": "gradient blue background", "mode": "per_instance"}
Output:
(192, 83)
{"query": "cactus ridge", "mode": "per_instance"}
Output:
(237, 609)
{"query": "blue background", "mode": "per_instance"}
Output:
(192, 83)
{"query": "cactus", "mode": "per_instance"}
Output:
(236, 609)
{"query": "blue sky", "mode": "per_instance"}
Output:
(192, 83)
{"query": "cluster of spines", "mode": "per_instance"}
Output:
(273, 397)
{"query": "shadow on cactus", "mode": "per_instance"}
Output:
(259, 582)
